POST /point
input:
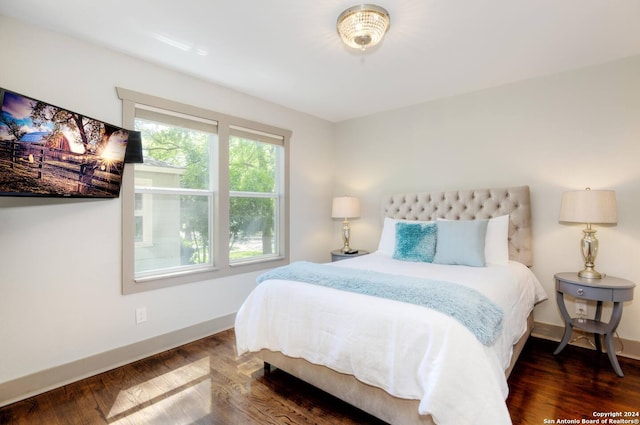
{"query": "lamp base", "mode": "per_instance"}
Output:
(590, 273)
(346, 234)
(589, 245)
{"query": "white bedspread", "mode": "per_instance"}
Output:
(409, 351)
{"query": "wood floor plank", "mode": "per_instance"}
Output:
(207, 383)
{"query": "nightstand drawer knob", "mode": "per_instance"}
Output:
(580, 291)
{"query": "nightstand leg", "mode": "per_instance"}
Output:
(616, 315)
(611, 352)
(596, 337)
(567, 322)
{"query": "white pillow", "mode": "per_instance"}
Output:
(496, 244)
(388, 237)
(387, 243)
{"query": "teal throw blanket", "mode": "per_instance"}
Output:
(478, 313)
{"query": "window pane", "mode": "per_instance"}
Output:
(252, 165)
(180, 233)
(179, 156)
(139, 230)
(252, 227)
(138, 202)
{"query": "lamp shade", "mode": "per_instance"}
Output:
(589, 206)
(345, 207)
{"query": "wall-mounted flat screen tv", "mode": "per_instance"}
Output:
(46, 150)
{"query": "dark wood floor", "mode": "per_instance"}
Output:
(206, 383)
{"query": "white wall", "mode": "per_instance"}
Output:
(562, 132)
(60, 260)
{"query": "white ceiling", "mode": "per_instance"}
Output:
(288, 52)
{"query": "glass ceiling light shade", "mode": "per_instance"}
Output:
(363, 26)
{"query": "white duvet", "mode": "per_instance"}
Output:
(409, 351)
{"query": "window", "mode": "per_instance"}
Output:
(176, 193)
(255, 191)
(209, 200)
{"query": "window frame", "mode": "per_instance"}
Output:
(222, 267)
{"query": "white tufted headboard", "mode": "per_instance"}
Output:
(469, 205)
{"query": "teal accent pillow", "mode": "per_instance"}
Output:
(461, 242)
(415, 241)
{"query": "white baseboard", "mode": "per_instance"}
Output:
(624, 347)
(40, 382)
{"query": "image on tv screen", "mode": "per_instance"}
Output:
(50, 151)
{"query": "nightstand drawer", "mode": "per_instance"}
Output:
(586, 292)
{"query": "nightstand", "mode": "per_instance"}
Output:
(607, 289)
(338, 255)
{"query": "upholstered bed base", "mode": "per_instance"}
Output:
(453, 205)
(365, 397)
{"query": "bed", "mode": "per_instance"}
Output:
(401, 362)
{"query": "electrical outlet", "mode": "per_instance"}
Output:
(141, 315)
(581, 308)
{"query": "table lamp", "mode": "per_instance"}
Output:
(345, 207)
(590, 207)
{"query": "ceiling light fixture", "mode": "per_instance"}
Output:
(363, 26)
